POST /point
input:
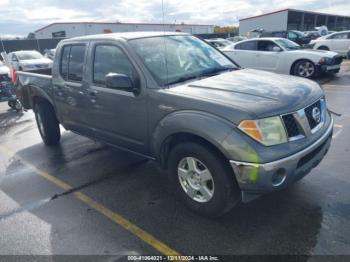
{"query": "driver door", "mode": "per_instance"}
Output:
(267, 57)
(118, 117)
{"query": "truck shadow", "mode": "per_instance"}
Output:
(282, 223)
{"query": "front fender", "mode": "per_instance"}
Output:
(210, 127)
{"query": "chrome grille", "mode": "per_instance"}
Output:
(302, 123)
(291, 125)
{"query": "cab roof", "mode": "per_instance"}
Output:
(124, 35)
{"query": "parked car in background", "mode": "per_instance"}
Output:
(5, 80)
(293, 35)
(49, 53)
(283, 56)
(312, 34)
(218, 42)
(237, 38)
(4, 72)
(338, 42)
(223, 134)
(28, 60)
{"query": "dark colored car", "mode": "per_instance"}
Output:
(293, 35)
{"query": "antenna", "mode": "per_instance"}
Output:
(165, 49)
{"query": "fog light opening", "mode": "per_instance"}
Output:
(279, 177)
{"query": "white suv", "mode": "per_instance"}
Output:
(338, 42)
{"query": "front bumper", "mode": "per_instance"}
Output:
(328, 68)
(256, 179)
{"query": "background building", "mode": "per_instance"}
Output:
(67, 30)
(292, 19)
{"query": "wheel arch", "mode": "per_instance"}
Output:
(291, 72)
(189, 126)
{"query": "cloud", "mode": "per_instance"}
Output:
(23, 16)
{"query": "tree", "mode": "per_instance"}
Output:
(31, 35)
(226, 29)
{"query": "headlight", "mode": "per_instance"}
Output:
(326, 60)
(268, 131)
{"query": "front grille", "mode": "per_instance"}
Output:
(291, 125)
(308, 113)
(337, 60)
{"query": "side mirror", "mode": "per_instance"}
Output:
(276, 49)
(120, 82)
(14, 59)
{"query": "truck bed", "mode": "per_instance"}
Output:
(31, 83)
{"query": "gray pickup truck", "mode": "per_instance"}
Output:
(224, 134)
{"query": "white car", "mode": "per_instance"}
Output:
(4, 71)
(283, 56)
(219, 43)
(28, 60)
(338, 42)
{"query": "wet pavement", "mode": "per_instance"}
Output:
(72, 199)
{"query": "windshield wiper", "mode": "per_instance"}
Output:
(215, 71)
(183, 79)
(209, 72)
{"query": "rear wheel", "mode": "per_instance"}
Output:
(47, 123)
(202, 179)
(304, 68)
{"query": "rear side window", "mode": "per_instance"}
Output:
(72, 62)
(250, 45)
(340, 36)
(266, 46)
(110, 59)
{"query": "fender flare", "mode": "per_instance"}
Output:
(201, 124)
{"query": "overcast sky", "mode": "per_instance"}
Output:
(19, 17)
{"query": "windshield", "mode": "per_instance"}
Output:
(172, 59)
(28, 55)
(287, 44)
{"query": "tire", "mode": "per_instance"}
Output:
(304, 68)
(222, 186)
(323, 48)
(47, 123)
(11, 104)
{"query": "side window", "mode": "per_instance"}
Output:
(292, 35)
(340, 36)
(110, 59)
(76, 63)
(72, 62)
(250, 45)
(64, 62)
(266, 46)
(279, 34)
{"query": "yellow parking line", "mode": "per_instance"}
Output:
(113, 216)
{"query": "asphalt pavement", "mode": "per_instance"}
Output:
(85, 198)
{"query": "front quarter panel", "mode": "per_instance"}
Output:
(207, 126)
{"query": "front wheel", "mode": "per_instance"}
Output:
(305, 68)
(47, 123)
(203, 179)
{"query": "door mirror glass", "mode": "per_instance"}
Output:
(276, 49)
(14, 59)
(120, 82)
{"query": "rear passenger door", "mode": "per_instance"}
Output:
(245, 54)
(68, 86)
(118, 116)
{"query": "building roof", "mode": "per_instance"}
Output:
(290, 9)
(125, 35)
(116, 23)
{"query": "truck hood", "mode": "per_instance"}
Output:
(258, 93)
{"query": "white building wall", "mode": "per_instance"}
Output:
(80, 29)
(271, 22)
